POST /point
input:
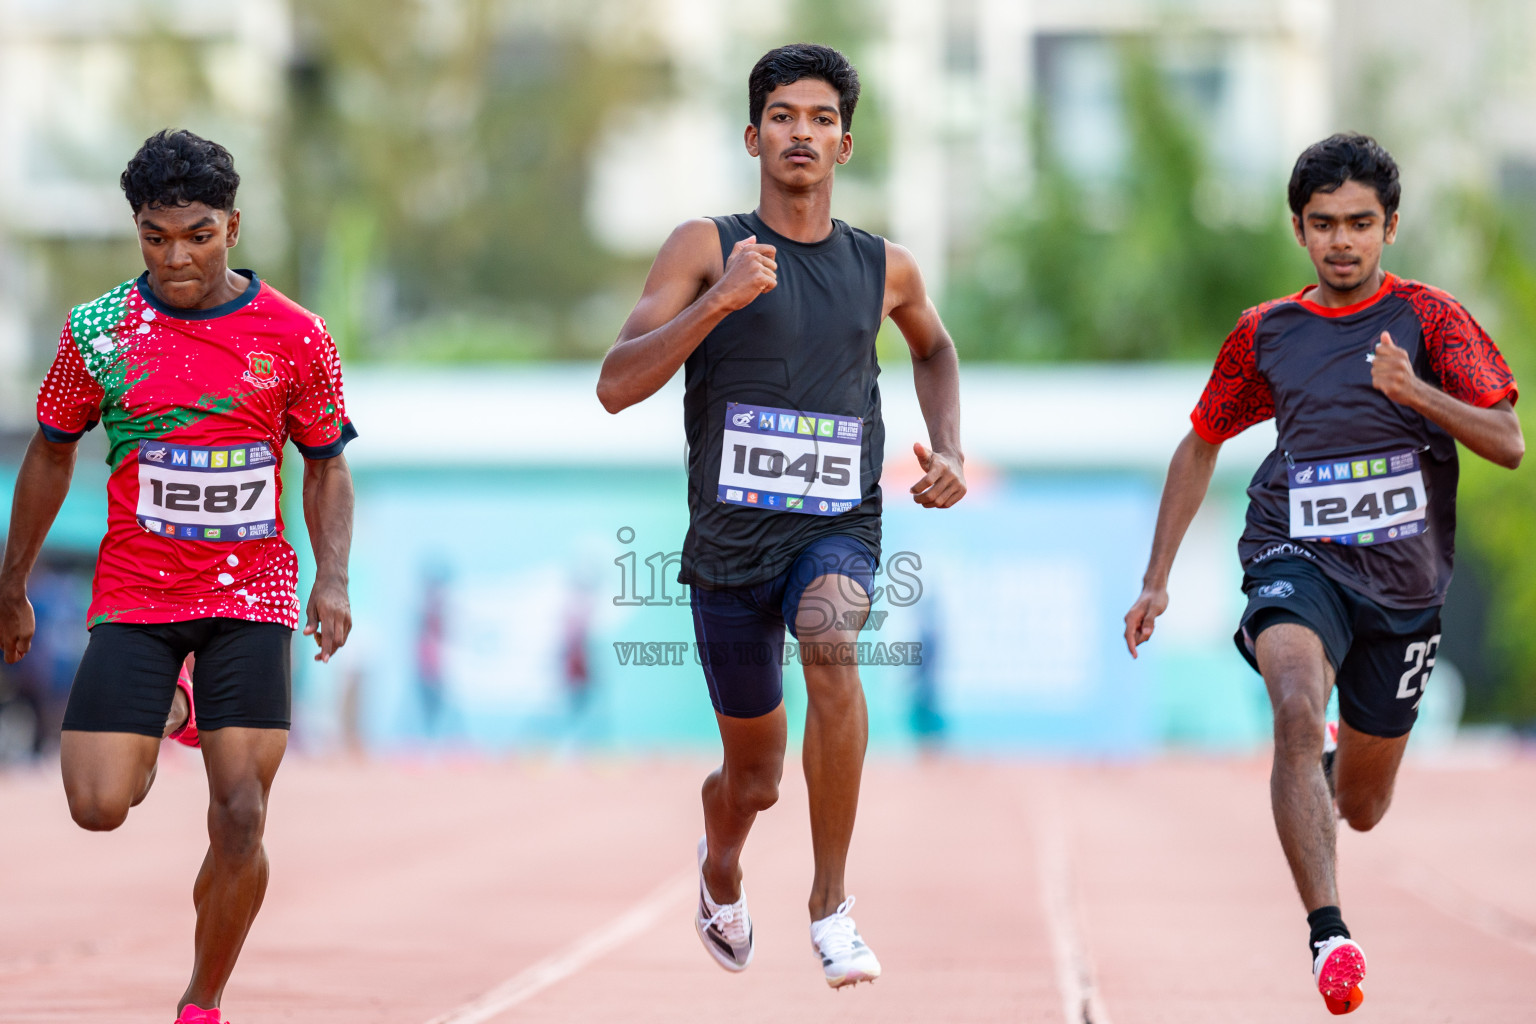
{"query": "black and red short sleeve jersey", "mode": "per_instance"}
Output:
(1308, 366)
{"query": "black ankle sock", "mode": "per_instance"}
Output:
(1326, 922)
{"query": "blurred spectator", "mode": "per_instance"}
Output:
(431, 647)
(575, 665)
(34, 690)
(925, 719)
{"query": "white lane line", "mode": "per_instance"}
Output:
(1444, 895)
(1080, 999)
(532, 980)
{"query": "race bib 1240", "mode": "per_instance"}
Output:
(227, 493)
(1367, 499)
(789, 460)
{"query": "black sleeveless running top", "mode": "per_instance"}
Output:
(808, 345)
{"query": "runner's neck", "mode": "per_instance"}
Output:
(231, 286)
(1321, 295)
(799, 218)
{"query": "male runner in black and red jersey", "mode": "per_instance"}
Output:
(200, 374)
(1372, 380)
(774, 315)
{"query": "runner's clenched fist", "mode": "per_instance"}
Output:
(749, 272)
(1391, 372)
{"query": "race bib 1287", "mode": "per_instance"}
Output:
(789, 460)
(1363, 499)
(225, 493)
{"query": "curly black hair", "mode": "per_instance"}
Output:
(1347, 156)
(789, 64)
(177, 168)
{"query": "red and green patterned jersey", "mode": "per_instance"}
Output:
(197, 405)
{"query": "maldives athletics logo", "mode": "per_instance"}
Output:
(260, 370)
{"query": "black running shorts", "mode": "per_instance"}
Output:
(1381, 656)
(127, 677)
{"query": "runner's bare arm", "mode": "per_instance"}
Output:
(1189, 477)
(41, 485)
(1494, 432)
(328, 514)
(935, 377)
(687, 293)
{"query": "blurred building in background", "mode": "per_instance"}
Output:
(960, 90)
(467, 188)
(83, 82)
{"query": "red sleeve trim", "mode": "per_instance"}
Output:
(1510, 391)
(1207, 435)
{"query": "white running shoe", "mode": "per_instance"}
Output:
(1339, 968)
(724, 928)
(1330, 755)
(844, 958)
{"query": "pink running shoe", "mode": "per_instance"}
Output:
(191, 1014)
(1339, 968)
(187, 735)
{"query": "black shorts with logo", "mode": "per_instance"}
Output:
(1381, 656)
(127, 676)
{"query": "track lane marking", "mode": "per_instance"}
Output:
(556, 967)
(1441, 893)
(1081, 1002)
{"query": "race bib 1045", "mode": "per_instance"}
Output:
(788, 460)
(1371, 499)
(212, 494)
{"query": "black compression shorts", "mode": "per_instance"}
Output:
(740, 630)
(127, 677)
(1381, 656)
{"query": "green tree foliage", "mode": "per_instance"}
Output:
(849, 27)
(1136, 268)
(1496, 522)
(436, 165)
(166, 85)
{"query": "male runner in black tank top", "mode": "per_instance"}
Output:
(1372, 380)
(774, 314)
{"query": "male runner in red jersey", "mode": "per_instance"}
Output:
(773, 317)
(199, 374)
(1372, 380)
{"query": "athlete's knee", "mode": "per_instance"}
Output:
(1363, 813)
(832, 671)
(1364, 821)
(1362, 809)
(754, 790)
(829, 648)
(95, 812)
(1299, 724)
(236, 821)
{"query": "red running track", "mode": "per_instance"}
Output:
(467, 891)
